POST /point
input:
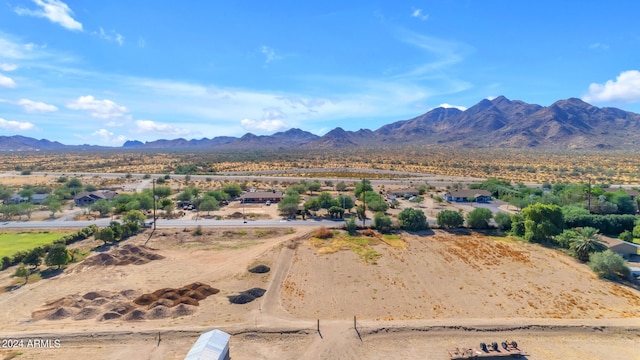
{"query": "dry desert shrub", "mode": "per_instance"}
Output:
(323, 233)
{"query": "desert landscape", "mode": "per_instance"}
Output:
(422, 294)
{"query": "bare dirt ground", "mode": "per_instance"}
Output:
(444, 290)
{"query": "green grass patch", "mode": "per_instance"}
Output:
(290, 231)
(507, 238)
(11, 243)
(362, 246)
(395, 241)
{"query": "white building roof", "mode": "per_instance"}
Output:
(212, 345)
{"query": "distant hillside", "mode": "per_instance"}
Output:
(498, 123)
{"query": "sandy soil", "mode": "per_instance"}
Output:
(444, 290)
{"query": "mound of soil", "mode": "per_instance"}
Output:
(260, 269)
(60, 313)
(99, 301)
(136, 315)
(256, 292)
(247, 296)
(183, 310)
(161, 302)
(190, 295)
(123, 255)
(158, 312)
(145, 299)
(127, 304)
(235, 215)
(129, 294)
(88, 312)
(110, 316)
(121, 307)
(92, 295)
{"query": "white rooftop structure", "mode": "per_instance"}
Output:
(212, 345)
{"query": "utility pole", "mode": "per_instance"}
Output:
(153, 182)
(589, 196)
(364, 202)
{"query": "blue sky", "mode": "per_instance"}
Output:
(103, 72)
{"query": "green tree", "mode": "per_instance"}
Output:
(362, 186)
(374, 201)
(413, 220)
(361, 212)
(312, 204)
(145, 201)
(163, 191)
(623, 202)
(314, 186)
(5, 193)
(542, 221)
(232, 189)
(626, 236)
(34, 257)
(351, 226)
(27, 193)
(102, 206)
(382, 222)
(74, 185)
(164, 202)
(26, 209)
(336, 211)
(57, 256)
(208, 204)
(587, 240)
(90, 188)
(479, 218)
(346, 201)
(326, 200)
(168, 209)
(608, 265)
(565, 238)
(289, 204)
(53, 204)
(135, 216)
(185, 195)
(106, 234)
(21, 271)
(341, 186)
(503, 220)
(449, 219)
(218, 195)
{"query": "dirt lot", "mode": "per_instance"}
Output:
(443, 290)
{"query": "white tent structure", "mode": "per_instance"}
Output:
(212, 345)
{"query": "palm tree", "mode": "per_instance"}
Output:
(586, 241)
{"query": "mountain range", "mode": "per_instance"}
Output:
(498, 123)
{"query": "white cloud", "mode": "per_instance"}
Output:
(55, 10)
(15, 125)
(270, 54)
(146, 126)
(263, 125)
(7, 82)
(31, 106)
(111, 36)
(8, 67)
(599, 46)
(449, 106)
(419, 14)
(626, 87)
(101, 109)
(108, 137)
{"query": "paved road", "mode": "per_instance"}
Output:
(172, 223)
